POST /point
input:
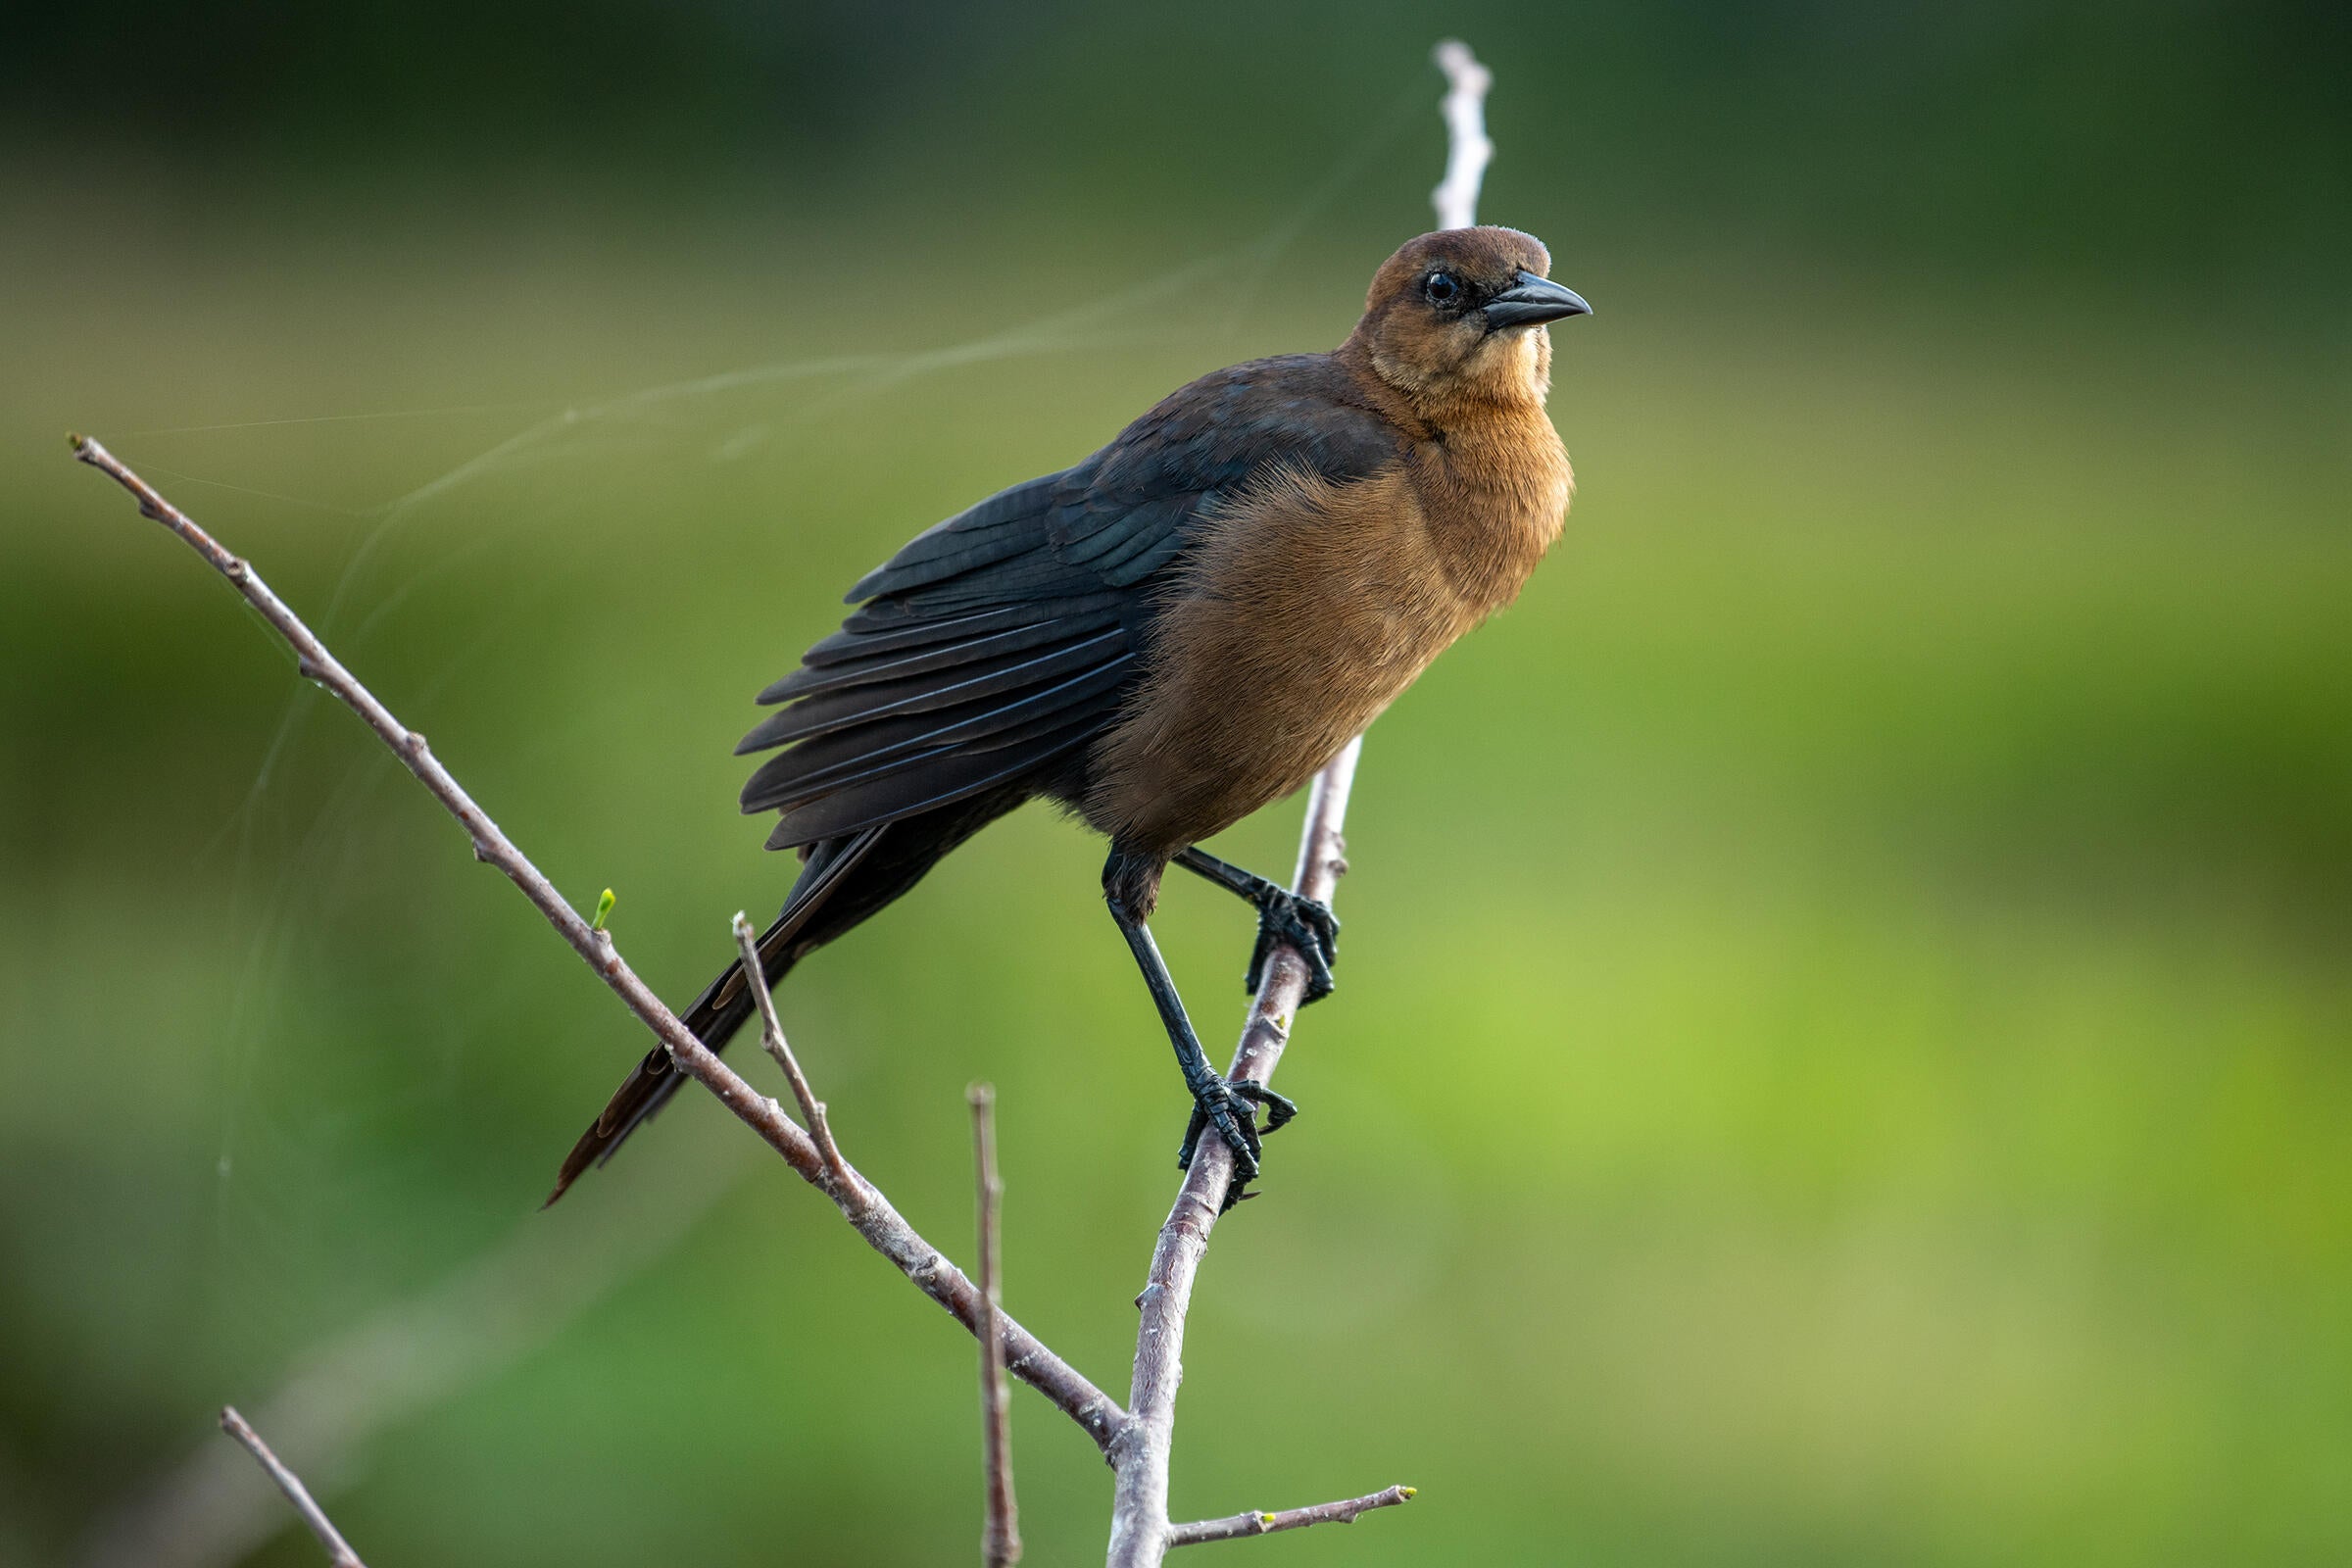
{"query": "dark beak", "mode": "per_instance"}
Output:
(1532, 301)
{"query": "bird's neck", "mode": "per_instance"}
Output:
(1486, 465)
(1496, 493)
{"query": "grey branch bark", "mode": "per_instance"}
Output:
(868, 1212)
(1001, 1536)
(1140, 1533)
(338, 1551)
(1266, 1523)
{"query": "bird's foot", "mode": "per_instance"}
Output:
(1230, 1105)
(1285, 919)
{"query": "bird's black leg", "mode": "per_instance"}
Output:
(1228, 1106)
(1284, 918)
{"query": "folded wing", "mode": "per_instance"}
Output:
(1001, 641)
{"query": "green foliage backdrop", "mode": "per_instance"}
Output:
(1841, 1055)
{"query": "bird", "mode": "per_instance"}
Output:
(1172, 633)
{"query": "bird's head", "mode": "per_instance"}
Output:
(1457, 318)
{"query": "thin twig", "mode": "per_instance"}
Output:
(859, 1201)
(1468, 149)
(771, 1034)
(1000, 1541)
(1266, 1523)
(338, 1551)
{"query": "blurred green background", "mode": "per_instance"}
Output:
(1841, 1049)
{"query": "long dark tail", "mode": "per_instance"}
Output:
(723, 1007)
(845, 880)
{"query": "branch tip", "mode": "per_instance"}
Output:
(1343, 1512)
(338, 1551)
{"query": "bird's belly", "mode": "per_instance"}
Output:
(1279, 735)
(1303, 620)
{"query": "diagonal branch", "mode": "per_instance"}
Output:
(868, 1212)
(338, 1551)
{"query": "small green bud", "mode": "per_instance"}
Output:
(604, 907)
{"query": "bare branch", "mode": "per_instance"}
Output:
(862, 1204)
(844, 1181)
(1468, 151)
(338, 1551)
(1001, 1542)
(1139, 1529)
(1266, 1523)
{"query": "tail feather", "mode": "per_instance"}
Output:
(721, 1009)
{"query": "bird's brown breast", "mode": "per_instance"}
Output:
(1311, 607)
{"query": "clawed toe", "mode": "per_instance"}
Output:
(1306, 925)
(1279, 1111)
(1230, 1107)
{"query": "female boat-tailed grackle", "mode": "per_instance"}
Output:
(1180, 629)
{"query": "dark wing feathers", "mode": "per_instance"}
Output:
(865, 639)
(1141, 557)
(840, 758)
(1022, 670)
(997, 642)
(1005, 525)
(811, 679)
(949, 777)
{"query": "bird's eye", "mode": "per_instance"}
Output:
(1441, 288)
